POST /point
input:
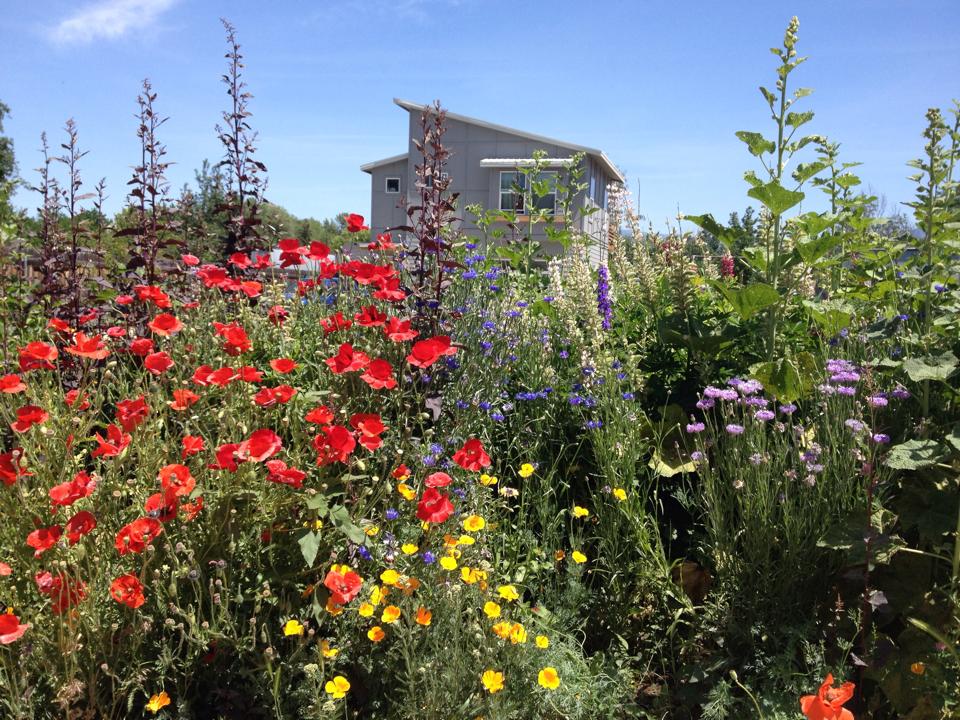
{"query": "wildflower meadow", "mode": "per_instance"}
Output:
(445, 475)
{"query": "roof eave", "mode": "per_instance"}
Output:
(370, 166)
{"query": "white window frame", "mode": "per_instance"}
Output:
(527, 193)
(386, 185)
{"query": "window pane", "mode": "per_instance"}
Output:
(508, 179)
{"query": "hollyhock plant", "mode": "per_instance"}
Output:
(827, 704)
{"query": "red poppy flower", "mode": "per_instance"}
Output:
(134, 537)
(240, 260)
(277, 315)
(251, 288)
(81, 486)
(58, 325)
(124, 299)
(153, 294)
(472, 456)
(268, 397)
(79, 525)
(280, 473)
(425, 353)
(235, 338)
(189, 260)
(62, 589)
(379, 375)
(130, 413)
(318, 251)
(369, 427)
(370, 317)
(11, 468)
(344, 584)
(212, 276)
(399, 330)
(222, 377)
(165, 325)
(192, 509)
(400, 472)
(827, 703)
(72, 399)
(176, 479)
(434, 506)
(141, 347)
(347, 360)
(382, 243)
(250, 374)
(90, 347)
(355, 223)
(28, 416)
(158, 362)
(437, 479)
(11, 629)
(283, 365)
(335, 322)
(389, 289)
(12, 384)
(334, 444)
(291, 252)
(192, 444)
(5, 569)
(321, 415)
(183, 398)
(162, 506)
(42, 539)
(226, 456)
(113, 444)
(37, 356)
(127, 590)
(261, 444)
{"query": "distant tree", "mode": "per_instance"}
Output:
(896, 223)
(8, 167)
(304, 232)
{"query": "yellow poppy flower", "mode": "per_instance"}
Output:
(365, 610)
(378, 594)
(502, 629)
(391, 613)
(542, 642)
(407, 492)
(620, 494)
(492, 681)
(372, 530)
(474, 523)
(559, 555)
(390, 577)
(518, 634)
(918, 668)
(156, 702)
(491, 609)
(326, 650)
(548, 678)
(447, 562)
(376, 633)
(526, 470)
(410, 585)
(408, 548)
(578, 557)
(580, 512)
(508, 593)
(465, 540)
(424, 616)
(487, 479)
(332, 607)
(337, 687)
(293, 627)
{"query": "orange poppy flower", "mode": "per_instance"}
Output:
(826, 704)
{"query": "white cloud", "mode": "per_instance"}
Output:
(109, 19)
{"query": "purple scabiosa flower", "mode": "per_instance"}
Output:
(696, 427)
(429, 460)
(729, 395)
(827, 390)
(940, 288)
(880, 438)
(756, 459)
(757, 401)
(392, 514)
(749, 387)
(604, 308)
(735, 429)
(877, 401)
(696, 456)
(711, 392)
(854, 424)
(788, 409)
(705, 403)
(848, 390)
(764, 415)
(900, 393)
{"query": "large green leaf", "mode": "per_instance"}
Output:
(818, 247)
(309, 545)
(830, 315)
(750, 299)
(775, 197)
(931, 367)
(914, 454)
(787, 379)
(340, 518)
(756, 142)
(707, 222)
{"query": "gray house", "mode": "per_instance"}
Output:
(483, 169)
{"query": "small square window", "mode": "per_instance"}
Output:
(392, 185)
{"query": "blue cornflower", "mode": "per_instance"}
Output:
(392, 514)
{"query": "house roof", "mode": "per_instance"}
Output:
(599, 155)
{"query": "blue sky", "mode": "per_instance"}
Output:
(660, 87)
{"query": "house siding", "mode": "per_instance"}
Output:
(384, 207)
